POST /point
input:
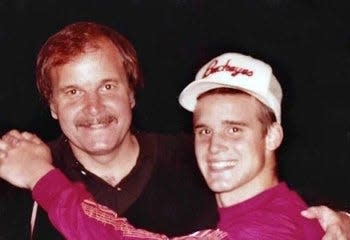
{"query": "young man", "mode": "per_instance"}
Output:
(88, 74)
(237, 134)
(236, 104)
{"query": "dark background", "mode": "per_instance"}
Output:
(306, 42)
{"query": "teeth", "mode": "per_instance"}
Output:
(222, 164)
(96, 126)
(97, 123)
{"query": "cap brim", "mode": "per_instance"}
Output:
(188, 97)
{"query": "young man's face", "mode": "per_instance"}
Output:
(92, 100)
(230, 144)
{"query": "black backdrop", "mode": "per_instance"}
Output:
(307, 42)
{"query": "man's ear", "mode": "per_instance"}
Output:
(53, 110)
(132, 100)
(274, 136)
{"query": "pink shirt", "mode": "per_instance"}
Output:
(272, 214)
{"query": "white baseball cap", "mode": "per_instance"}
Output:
(238, 71)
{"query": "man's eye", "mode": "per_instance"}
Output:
(204, 131)
(108, 86)
(234, 130)
(72, 91)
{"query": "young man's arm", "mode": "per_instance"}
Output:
(73, 212)
(25, 161)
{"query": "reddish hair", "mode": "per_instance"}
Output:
(72, 41)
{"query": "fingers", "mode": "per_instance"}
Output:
(325, 216)
(335, 224)
(334, 233)
(314, 212)
(31, 137)
(14, 133)
(12, 137)
(3, 149)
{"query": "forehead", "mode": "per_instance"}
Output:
(61, 55)
(98, 62)
(100, 50)
(217, 108)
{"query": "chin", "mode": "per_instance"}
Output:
(99, 149)
(220, 185)
(99, 152)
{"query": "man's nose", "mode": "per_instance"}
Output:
(217, 144)
(93, 103)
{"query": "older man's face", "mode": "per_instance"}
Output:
(92, 100)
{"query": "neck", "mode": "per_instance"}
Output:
(114, 165)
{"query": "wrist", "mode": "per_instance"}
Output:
(41, 172)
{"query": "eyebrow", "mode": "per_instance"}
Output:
(110, 80)
(65, 88)
(225, 122)
(199, 126)
(232, 122)
(104, 81)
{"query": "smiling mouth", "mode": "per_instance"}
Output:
(97, 123)
(96, 126)
(221, 165)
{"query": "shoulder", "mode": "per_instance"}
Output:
(275, 214)
(57, 143)
(167, 147)
(61, 152)
(285, 207)
(178, 138)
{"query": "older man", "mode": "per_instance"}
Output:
(88, 74)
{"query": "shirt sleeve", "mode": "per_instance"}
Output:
(76, 215)
(73, 212)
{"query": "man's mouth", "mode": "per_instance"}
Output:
(221, 165)
(97, 123)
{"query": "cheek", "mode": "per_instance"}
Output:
(202, 165)
(201, 154)
(247, 145)
(257, 147)
(61, 104)
(200, 147)
(120, 108)
(66, 113)
(121, 101)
